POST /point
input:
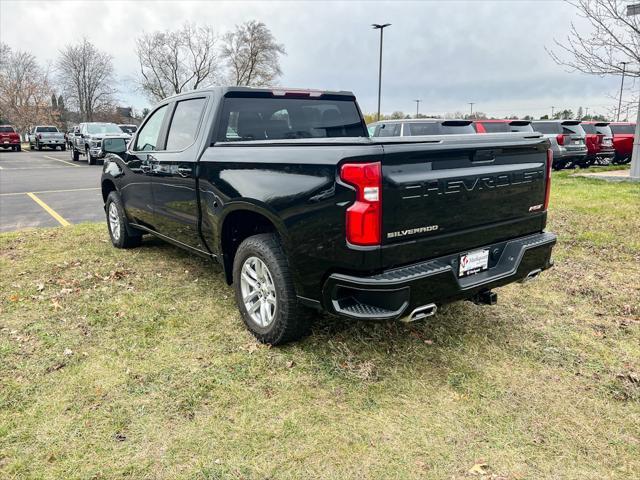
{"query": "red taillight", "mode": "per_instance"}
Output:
(547, 188)
(364, 217)
(560, 139)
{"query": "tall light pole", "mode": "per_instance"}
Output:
(624, 68)
(634, 173)
(586, 113)
(380, 27)
(552, 107)
(471, 104)
(417, 107)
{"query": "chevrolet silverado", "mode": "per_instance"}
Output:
(303, 210)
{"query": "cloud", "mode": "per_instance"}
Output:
(445, 53)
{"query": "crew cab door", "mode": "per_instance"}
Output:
(173, 169)
(136, 192)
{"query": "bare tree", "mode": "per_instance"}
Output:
(25, 91)
(86, 77)
(614, 38)
(178, 61)
(253, 54)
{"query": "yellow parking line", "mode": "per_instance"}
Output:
(51, 191)
(49, 210)
(60, 160)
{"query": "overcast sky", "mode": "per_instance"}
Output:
(445, 53)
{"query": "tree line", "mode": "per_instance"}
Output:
(80, 84)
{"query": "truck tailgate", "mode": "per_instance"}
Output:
(454, 195)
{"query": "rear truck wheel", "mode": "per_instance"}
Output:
(19, 148)
(121, 234)
(265, 293)
(63, 147)
(75, 155)
(38, 146)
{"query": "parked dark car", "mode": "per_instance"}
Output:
(623, 133)
(9, 138)
(285, 189)
(420, 127)
(599, 140)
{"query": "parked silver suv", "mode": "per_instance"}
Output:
(418, 127)
(568, 141)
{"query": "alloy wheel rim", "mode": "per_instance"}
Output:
(114, 221)
(258, 291)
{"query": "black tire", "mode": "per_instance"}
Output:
(90, 160)
(19, 148)
(75, 155)
(291, 320)
(63, 147)
(126, 237)
(38, 146)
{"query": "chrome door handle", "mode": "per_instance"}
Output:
(145, 167)
(184, 171)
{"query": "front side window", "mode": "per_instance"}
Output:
(184, 124)
(148, 136)
(272, 118)
(422, 128)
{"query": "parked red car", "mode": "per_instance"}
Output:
(599, 141)
(9, 138)
(623, 140)
(498, 126)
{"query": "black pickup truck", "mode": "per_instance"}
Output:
(304, 211)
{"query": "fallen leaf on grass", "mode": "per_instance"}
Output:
(479, 469)
(67, 352)
(291, 364)
(40, 287)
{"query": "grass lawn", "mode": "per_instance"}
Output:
(135, 364)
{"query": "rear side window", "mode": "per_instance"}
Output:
(622, 129)
(46, 129)
(423, 128)
(184, 124)
(147, 139)
(269, 118)
(496, 127)
(573, 129)
(604, 130)
(388, 130)
(547, 127)
(7, 130)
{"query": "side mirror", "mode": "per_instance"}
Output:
(114, 145)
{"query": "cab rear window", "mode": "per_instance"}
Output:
(272, 118)
(7, 130)
(623, 129)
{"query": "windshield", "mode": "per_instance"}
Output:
(103, 128)
(7, 130)
(268, 118)
(46, 129)
(623, 129)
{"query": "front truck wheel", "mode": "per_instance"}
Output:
(265, 293)
(122, 235)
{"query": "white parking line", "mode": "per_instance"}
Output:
(60, 160)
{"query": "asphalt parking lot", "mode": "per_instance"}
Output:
(47, 189)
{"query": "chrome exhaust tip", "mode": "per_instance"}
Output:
(421, 312)
(531, 275)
